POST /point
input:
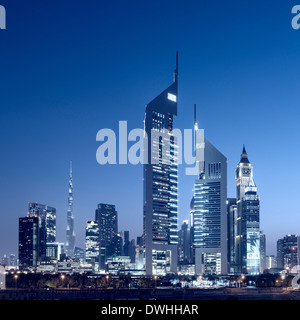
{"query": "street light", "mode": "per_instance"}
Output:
(107, 277)
(155, 278)
(16, 280)
(62, 278)
(282, 280)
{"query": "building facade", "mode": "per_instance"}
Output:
(247, 241)
(210, 214)
(107, 217)
(287, 252)
(92, 246)
(160, 182)
(28, 242)
(47, 225)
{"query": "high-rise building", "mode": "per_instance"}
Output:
(70, 234)
(116, 246)
(160, 182)
(79, 254)
(210, 214)
(287, 251)
(232, 216)
(47, 225)
(270, 262)
(184, 245)
(4, 260)
(262, 251)
(28, 242)
(126, 243)
(2, 278)
(247, 244)
(107, 218)
(92, 246)
(12, 259)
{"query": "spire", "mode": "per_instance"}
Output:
(195, 118)
(176, 70)
(244, 156)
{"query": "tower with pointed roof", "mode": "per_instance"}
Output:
(160, 183)
(70, 235)
(247, 222)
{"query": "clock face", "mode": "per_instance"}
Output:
(246, 172)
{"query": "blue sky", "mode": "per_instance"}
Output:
(69, 69)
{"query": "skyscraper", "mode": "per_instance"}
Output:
(232, 216)
(107, 218)
(210, 214)
(247, 245)
(184, 245)
(262, 251)
(287, 251)
(28, 242)
(70, 235)
(92, 247)
(47, 225)
(160, 182)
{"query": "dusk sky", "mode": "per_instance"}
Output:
(70, 68)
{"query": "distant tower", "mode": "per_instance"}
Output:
(70, 241)
(107, 217)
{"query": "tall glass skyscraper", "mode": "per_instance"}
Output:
(160, 182)
(47, 225)
(247, 244)
(107, 219)
(210, 214)
(92, 247)
(70, 235)
(28, 242)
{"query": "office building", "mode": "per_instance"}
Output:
(2, 278)
(107, 218)
(184, 245)
(210, 214)
(160, 182)
(232, 216)
(28, 242)
(247, 244)
(287, 252)
(262, 251)
(47, 225)
(92, 246)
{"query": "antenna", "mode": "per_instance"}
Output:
(176, 70)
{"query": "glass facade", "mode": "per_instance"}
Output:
(210, 214)
(28, 242)
(160, 181)
(47, 225)
(92, 247)
(247, 240)
(107, 218)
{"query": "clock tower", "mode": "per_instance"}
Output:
(244, 174)
(244, 171)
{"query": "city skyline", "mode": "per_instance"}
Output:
(46, 125)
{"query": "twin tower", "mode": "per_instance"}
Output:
(224, 232)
